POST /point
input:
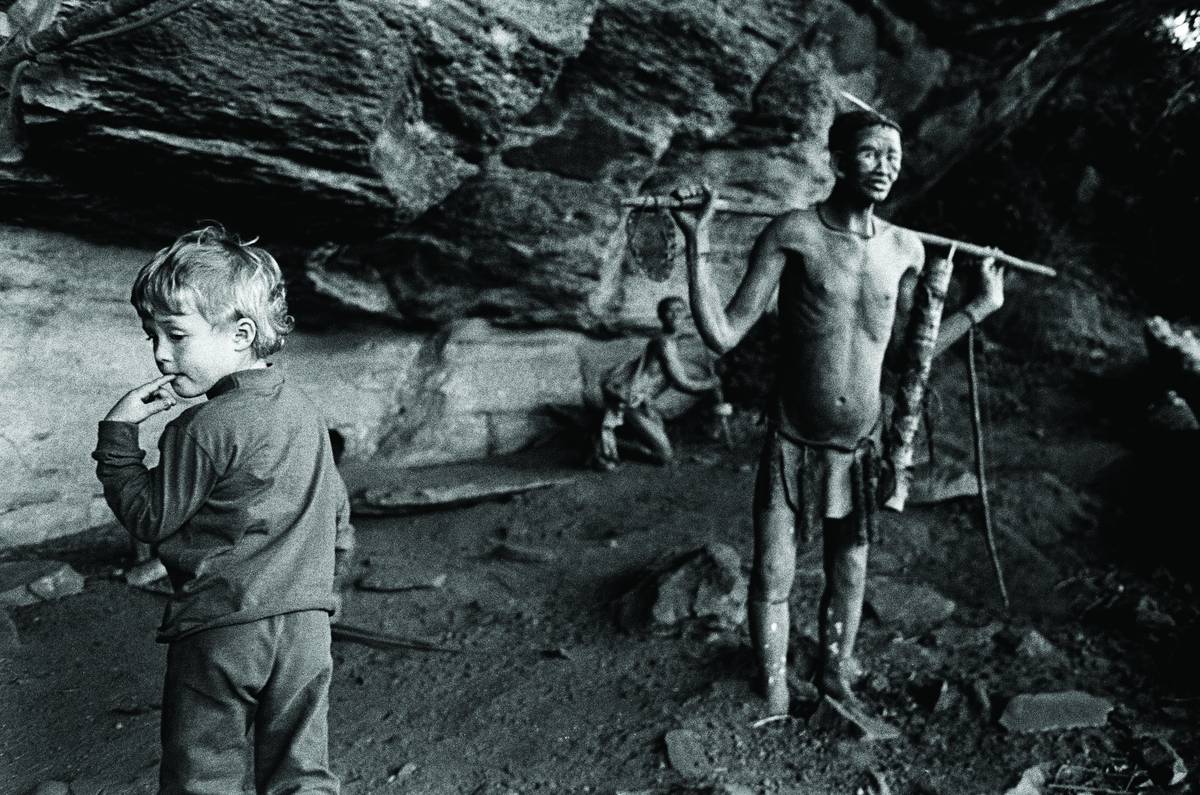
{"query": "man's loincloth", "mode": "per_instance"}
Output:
(827, 480)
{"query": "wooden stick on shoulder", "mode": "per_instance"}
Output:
(744, 208)
(983, 251)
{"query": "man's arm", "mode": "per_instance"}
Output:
(956, 324)
(723, 327)
(677, 371)
(989, 299)
(152, 503)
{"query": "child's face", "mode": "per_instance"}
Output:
(196, 352)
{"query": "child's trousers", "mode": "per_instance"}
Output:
(245, 706)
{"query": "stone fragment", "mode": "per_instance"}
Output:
(686, 753)
(388, 581)
(388, 573)
(981, 698)
(956, 637)
(704, 586)
(948, 697)
(390, 501)
(914, 608)
(1031, 783)
(52, 788)
(1068, 709)
(842, 718)
(1034, 644)
(1162, 761)
(29, 582)
(521, 553)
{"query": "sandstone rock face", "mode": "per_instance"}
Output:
(446, 159)
(70, 345)
(457, 167)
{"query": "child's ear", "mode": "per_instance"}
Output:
(244, 333)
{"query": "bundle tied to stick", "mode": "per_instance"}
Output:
(920, 339)
(659, 268)
(650, 241)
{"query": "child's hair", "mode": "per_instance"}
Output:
(223, 279)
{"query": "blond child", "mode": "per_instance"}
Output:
(245, 509)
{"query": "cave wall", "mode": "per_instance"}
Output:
(71, 344)
(464, 158)
(452, 168)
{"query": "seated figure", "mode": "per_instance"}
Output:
(660, 384)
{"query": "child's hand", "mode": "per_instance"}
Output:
(144, 401)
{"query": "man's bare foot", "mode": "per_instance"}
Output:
(836, 679)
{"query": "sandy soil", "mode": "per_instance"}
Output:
(544, 693)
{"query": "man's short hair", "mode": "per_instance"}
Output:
(843, 133)
(212, 272)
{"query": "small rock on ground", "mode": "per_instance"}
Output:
(686, 753)
(29, 582)
(915, 608)
(1068, 709)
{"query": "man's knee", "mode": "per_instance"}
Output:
(852, 557)
(842, 539)
(772, 580)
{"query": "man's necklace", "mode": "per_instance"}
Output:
(864, 235)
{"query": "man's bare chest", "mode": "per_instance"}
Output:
(841, 284)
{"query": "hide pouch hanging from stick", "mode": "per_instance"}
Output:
(925, 319)
(650, 240)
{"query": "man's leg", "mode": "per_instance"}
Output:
(649, 433)
(771, 579)
(841, 605)
(291, 738)
(605, 455)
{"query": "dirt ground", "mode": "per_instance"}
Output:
(543, 692)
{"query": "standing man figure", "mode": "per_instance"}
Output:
(844, 277)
